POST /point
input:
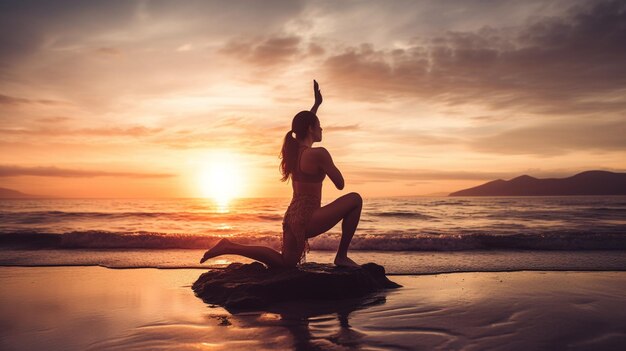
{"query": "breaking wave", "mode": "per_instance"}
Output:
(397, 241)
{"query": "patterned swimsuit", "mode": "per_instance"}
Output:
(295, 222)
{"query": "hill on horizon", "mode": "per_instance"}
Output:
(584, 183)
(14, 194)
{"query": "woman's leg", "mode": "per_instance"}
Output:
(269, 257)
(348, 208)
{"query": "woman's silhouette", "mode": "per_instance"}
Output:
(307, 167)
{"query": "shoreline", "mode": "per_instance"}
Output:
(77, 308)
(395, 263)
(388, 274)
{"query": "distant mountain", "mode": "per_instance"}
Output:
(585, 183)
(14, 194)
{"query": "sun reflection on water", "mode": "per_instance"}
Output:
(222, 206)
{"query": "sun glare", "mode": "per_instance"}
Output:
(221, 179)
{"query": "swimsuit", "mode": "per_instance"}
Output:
(295, 222)
(300, 211)
(299, 176)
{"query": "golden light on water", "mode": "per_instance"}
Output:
(222, 179)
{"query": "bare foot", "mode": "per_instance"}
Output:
(345, 262)
(218, 249)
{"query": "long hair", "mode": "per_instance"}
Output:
(289, 152)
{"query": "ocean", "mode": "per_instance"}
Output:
(409, 235)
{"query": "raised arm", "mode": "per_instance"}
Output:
(327, 164)
(318, 97)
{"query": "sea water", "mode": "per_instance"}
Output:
(406, 234)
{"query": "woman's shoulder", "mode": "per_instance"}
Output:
(319, 153)
(318, 150)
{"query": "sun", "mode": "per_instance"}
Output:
(221, 178)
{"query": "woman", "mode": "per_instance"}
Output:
(307, 167)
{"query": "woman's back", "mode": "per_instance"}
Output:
(308, 174)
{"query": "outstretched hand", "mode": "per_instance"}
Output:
(317, 93)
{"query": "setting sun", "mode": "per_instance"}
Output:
(221, 178)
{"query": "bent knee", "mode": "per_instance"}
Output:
(356, 198)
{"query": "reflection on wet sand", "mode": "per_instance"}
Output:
(331, 326)
(310, 325)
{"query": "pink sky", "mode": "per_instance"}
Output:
(136, 98)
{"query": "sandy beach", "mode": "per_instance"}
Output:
(94, 308)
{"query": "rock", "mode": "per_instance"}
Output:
(253, 286)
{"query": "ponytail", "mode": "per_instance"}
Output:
(288, 155)
(289, 152)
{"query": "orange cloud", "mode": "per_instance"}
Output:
(12, 101)
(17, 171)
(135, 131)
(555, 138)
(270, 51)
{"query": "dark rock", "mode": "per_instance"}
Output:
(253, 286)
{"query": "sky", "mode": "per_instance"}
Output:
(143, 98)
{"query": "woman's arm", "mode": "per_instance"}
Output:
(318, 96)
(327, 164)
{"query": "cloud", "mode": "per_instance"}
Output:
(239, 133)
(343, 128)
(13, 101)
(272, 51)
(572, 64)
(315, 50)
(108, 51)
(54, 119)
(257, 143)
(385, 174)
(17, 171)
(28, 27)
(132, 131)
(560, 64)
(556, 138)
(136, 131)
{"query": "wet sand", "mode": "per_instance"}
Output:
(78, 308)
